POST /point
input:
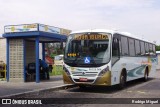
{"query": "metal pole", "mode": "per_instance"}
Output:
(43, 51)
(37, 60)
(7, 46)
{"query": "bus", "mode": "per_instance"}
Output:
(105, 57)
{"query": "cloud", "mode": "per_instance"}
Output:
(139, 17)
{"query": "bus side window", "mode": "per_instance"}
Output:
(115, 50)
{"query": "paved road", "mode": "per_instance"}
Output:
(135, 89)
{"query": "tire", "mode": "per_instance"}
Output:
(145, 78)
(122, 83)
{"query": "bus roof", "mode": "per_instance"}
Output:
(112, 32)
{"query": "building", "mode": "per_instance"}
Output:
(2, 49)
(22, 46)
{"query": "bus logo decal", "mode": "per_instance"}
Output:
(87, 60)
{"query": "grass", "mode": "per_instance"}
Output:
(57, 70)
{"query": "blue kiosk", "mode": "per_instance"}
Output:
(23, 47)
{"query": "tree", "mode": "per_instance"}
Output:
(158, 48)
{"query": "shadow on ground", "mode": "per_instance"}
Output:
(108, 89)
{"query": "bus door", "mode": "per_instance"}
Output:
(115, 49)
(115, 59)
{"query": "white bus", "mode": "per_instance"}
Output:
(106, 57)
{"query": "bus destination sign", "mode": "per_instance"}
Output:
(90, 37)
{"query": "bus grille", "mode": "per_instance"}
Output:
(89, 74)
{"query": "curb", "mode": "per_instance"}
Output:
(37, 92)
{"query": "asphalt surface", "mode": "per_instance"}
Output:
(134, 89)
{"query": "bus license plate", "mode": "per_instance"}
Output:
(83, 79)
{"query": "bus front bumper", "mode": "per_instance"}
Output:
(104, 80)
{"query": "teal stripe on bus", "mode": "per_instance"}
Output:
(139, 70)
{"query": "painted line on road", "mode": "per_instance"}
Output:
(129, 91)
(142, 92)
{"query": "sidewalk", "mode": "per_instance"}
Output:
(9, 88)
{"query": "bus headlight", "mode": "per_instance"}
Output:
(66, 70)
(104, 71)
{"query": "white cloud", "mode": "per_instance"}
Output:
(136, 16)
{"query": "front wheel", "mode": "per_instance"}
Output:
(122, 83)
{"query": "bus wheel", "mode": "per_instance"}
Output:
(146, 75)
(122, 83)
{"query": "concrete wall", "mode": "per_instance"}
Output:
(3, 50)
(16, 63)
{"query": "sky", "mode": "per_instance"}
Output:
(138, 17)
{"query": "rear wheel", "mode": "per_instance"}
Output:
(146, 75)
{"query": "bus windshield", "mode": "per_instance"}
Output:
(87, 49)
